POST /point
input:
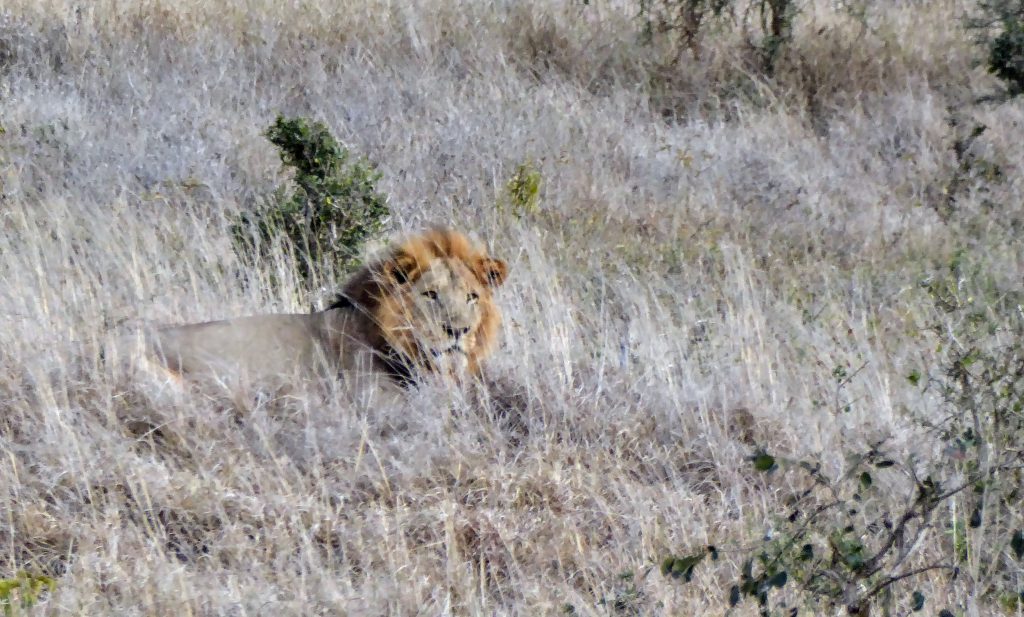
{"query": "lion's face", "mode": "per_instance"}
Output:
(445, 303)
(441, 313)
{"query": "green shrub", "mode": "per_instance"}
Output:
(1006, 56)
(838, 543)
(1000, 28)
(22, 591)
(522, 191)
(982, 435)
(844, 542)
(332, 210)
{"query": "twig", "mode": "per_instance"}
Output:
(899, 577)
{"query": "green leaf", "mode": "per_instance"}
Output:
(682, 567)
(779, 580)
(929, 487)
(666, 565)
(865, 480)
(914, 377)
(748, 570)
(1017, 543)
(971, 358)
(975, 520)
(850, 550)
(764, 462)
(917, 603)
(806, 552)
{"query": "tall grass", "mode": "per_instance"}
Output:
(707, 245)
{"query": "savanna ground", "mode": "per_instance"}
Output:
(724, 258)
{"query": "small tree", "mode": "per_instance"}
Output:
(999, 26)
(333, 209)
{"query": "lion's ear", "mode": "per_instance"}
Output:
(491, 271)
(401, 269)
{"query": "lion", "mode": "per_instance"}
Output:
(425, 307)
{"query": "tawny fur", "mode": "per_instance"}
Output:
(427, 306)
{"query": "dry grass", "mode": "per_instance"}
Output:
(711, 244)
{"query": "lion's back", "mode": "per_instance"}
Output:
(256, 347)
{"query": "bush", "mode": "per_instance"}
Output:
(845, 542)
(1000, 28)
(982, 434)
(1006, 56)
(838, 543)
(522, 191)
(334, 208)
(21, 592)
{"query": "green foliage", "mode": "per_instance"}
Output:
(757, 586)
(1012, 603)
(682, 567)
(332, 210)
(764, 462)
(841, 542)
(522, 191)
(982, 384)
(23, 590)
(838, 543)
(1006, 56)
(1000, 28)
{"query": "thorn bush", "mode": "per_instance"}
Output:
(332, 210)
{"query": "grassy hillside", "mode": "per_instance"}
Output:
(809, 259)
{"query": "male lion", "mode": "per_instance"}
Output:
(425, 307)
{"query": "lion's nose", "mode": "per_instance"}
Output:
(453, 332)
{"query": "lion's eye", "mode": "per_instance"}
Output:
(472, 297)
(430, 294)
